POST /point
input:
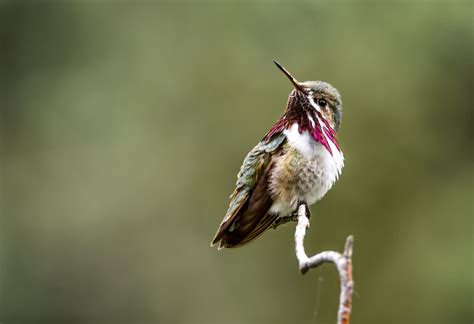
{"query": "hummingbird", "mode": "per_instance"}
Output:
(296, 162)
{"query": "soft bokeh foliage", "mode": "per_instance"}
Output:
(124, 124)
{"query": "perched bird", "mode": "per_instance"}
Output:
(296, 162)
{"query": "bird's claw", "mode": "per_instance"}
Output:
(292, 218)
(283, 220)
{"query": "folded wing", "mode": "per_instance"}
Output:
(248, 214)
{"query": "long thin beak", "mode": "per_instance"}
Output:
(295, 82)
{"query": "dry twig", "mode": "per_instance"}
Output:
(343, 262)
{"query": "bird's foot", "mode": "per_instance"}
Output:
(292, 218)
(285, 219)
(307, 212)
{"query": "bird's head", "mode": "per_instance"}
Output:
(317, 95)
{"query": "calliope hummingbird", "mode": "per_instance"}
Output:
(296, 162)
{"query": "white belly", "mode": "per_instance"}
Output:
(307, 176)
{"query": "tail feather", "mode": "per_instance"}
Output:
(239, 238)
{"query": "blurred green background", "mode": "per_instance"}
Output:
(124, 125)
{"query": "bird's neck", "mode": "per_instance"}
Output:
(308, 120)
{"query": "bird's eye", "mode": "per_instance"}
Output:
(322, 103)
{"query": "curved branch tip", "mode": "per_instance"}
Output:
(343, 263)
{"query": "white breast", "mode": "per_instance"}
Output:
(323, 168)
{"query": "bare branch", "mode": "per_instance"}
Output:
(343, 263)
